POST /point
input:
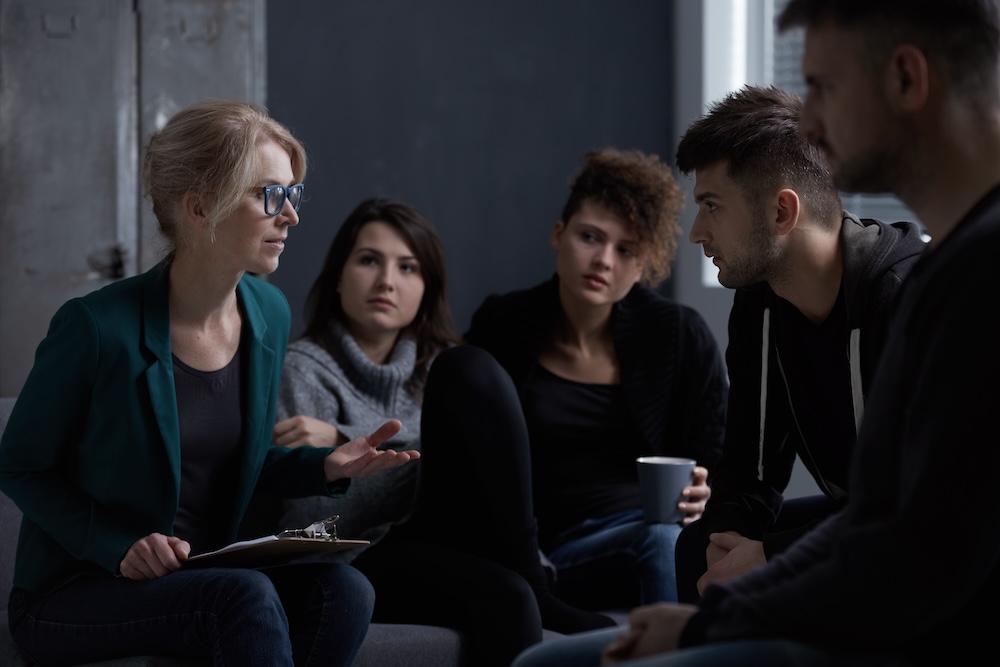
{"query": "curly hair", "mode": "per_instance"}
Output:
(641, 191)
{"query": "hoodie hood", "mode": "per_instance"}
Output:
(877, 255)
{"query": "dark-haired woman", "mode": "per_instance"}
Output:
(453, 542)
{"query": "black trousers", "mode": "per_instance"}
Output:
(468, 557)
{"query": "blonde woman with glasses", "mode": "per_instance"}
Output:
(166, 384)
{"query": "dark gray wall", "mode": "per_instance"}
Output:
(476, 113)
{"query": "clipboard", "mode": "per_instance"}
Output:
(317, 538)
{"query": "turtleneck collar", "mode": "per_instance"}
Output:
(381, 382)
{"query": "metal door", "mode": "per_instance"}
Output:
(83, 83)
(68, 195)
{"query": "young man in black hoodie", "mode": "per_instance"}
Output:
(813, 288)
(904, 97)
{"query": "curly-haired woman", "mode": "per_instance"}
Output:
(608, 370)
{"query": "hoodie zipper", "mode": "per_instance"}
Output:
(798, 427)
(857, 397)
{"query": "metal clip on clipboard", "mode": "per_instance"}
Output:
(325, 529)
(315, 539)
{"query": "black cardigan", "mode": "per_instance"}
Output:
(672, 372)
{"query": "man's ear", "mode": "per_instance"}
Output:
(907, 78)
(557, 232)
(787, 208)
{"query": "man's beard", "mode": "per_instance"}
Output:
(756, 263)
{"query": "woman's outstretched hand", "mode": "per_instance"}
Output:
(361, 457)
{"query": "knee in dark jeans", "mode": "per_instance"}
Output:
(248, 596)
(330, 615)
(342, 584)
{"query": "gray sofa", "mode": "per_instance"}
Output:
(387, 645)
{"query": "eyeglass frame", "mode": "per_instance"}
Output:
(286, 194)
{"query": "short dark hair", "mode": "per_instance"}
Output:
(640, 189)
(755, 131)
(433, 325)
(961, 36)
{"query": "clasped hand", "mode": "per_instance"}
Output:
(730, 555)
(654, 628)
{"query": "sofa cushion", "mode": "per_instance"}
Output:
(10, 656)
(411, 645)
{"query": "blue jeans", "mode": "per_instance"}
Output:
(308, 614)
(618, 561)
(584, 650)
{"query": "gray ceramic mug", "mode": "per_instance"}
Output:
(661, 480)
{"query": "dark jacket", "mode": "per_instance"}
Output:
(671, 369)
(105, 471)
(912, 564)
(760, 452)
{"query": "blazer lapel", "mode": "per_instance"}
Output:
(259, 382)
(160, 374)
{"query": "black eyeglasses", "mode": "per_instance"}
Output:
(275, 196)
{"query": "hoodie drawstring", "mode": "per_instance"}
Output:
(857, 391)
(766, 335)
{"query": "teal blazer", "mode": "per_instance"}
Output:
(91, 454)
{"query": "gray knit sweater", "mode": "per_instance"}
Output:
(348, 390)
